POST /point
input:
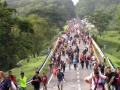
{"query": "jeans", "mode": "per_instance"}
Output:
(118, 87)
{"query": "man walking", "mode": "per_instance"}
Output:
(36, 80)
(60, 77)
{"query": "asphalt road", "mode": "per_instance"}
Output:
(74, 79)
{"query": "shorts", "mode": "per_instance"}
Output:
(60, 83)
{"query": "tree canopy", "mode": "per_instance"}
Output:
(105, 13)
(24, 36)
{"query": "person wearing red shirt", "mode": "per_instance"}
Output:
(12, 78)
(44, 81)
(55, 71)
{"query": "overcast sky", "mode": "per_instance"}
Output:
(75, 1)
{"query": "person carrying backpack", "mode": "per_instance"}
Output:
(60, 78)
(36, 80)
(96, 80)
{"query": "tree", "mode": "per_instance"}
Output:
(100, 20)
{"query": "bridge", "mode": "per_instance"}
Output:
(74, 79)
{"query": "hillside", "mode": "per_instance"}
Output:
(28, 27)
(57, 10)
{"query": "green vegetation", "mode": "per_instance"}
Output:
(28, 67)
(111, 43)
(30, 28)
(105, 15)
(86, 7)
(100, 20)
(58, 11)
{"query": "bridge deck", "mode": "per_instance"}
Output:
(74, 80)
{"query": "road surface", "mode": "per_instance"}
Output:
(74, 79)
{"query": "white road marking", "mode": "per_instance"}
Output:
(78, 77)
(78, 80)
(78, 73)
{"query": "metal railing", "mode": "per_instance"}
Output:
(46, 60)
(103, 55)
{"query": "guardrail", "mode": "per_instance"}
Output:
(46, 60)
(103, 55)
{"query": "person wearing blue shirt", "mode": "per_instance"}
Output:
(60, 77)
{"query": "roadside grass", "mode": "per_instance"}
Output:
(28, 67)
(111, 41)
(115, 60)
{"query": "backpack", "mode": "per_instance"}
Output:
(60, 76)
(13, 86)
(98, 83)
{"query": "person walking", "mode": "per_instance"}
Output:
(55, 71)
(75, 60)
(13, 80)
(82, 60)
(23, 81)
(36, 80)
(96, 80)
(60, 78)
(12, 77)
(44, 81)
(5, 83)
(110, 80)
(63, 65)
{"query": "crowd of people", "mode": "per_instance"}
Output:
(10, 83)
(107, 80)
(74, 47)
